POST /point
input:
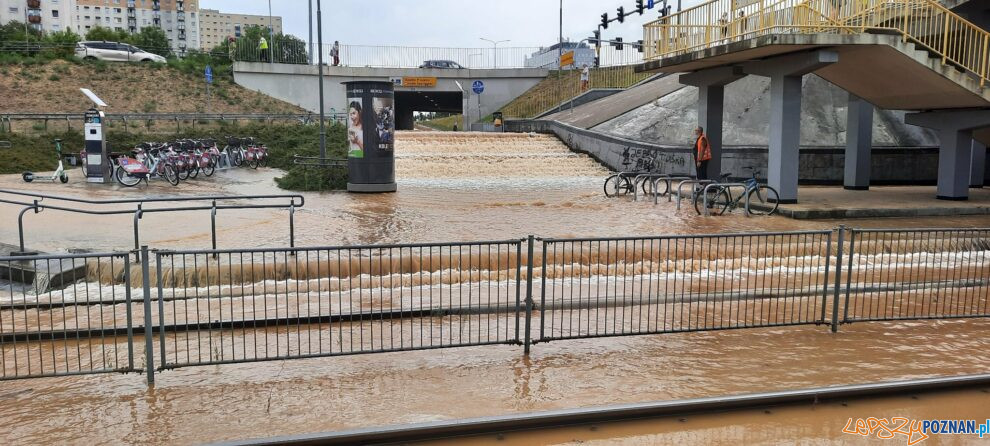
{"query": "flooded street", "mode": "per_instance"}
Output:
(468, 187)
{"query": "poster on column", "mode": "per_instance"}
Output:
(355, 128)
(384, 108)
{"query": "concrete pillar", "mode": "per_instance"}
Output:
(404, 118)
(859, 143)
(955, 156)
(785, 73)
(711, 103)
(785, 136)
(979, 164)
(710, 112)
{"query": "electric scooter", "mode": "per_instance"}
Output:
(59, 173)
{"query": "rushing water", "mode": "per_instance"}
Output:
(459, 187)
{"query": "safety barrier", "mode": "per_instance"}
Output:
(925, 22)
(127, 119)
(216, 203)
(708, 187)
(232, 306)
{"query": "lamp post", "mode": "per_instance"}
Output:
(494, 49)
(271, 34)
(319, 45)
(310, 32)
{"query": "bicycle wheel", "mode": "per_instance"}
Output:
(718, 201)
(182, 172)
(237, 158)
(649, 185)
(168, 171)
(763, 200)
(263, 162)
(126, 179)
(610, 185)
(210, 168)
(193, 170)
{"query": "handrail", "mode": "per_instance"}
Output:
(36, 205)
(927, 23)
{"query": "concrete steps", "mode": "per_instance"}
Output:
(38, 276)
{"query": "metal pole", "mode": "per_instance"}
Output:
(560, 49)
(311, 32)
(838, 276)
(271, 34)
(529, 294)
(319, 47)
(149, 358)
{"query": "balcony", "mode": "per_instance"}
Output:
(34, 19)
(34, 4)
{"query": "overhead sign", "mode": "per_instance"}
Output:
(209, 74)
(567, 59)
(410, 81)
(478, 87)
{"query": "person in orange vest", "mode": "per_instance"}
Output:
(702, 153)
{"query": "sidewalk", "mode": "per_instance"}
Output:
(882, 201)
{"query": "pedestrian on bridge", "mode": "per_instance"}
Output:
(263, 48)
(335, 53)
(585, 77)
(702, 153)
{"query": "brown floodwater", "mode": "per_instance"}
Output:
(454, 188)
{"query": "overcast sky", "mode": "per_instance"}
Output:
(448, 23)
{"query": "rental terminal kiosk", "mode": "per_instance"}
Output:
(96, 141)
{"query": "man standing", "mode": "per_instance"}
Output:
(335, 53)
(263, 48)
(585, 77)
(702, 153)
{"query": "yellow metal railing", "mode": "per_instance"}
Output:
(925, 22)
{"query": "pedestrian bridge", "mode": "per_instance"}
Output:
(915, 55)
(417, 89)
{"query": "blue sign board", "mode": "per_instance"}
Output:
(649, 4)
(209, 74)
(478, 87)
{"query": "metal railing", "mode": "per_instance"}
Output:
(243, 305)
(56, 319)
(272, 304)
(7, 119)
(216, 203)
(924, 22)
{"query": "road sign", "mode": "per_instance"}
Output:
(567, 59)
(478, 87)
(409, 81)
(209, 74)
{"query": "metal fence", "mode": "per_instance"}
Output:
(56, 318)
(232, 306)
(624, 286)
(271, 304)
(178, 119)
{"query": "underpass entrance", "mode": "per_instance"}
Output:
(409, 102)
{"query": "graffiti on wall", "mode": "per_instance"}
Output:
(650, 160)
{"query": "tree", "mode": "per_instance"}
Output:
(107, 34)
(152, 40)
(62, 43)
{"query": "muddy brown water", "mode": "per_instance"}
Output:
(453, 188)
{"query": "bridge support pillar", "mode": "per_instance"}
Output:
(859, 143)
(956, 152)
(785, 73)
(711, 101)
(404, 119)
(979, 160)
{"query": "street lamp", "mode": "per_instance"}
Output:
(494, 49)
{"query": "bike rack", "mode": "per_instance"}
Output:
(639, 179)
(680, 195)
(295, 201)
(670, 183)
(630, 174)
(725, 185)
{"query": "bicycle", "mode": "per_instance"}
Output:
(763, 199)
(620, 184)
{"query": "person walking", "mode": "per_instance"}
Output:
(263, 48)
(585, 77)
(702, 153)
(335, 53)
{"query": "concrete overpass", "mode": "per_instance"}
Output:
(444, 90)
(907, 55)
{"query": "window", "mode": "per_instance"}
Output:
(13, 10)
(54, 13)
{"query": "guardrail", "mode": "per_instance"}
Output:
(243, 305)
(295, 201)
(7, 119)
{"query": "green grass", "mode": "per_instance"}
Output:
(445, 124)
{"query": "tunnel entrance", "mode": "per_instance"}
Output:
(409, 102)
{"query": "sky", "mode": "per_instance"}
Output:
(448, 23)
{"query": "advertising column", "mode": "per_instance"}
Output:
(370, 137)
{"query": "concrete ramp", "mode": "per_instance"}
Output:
(594, 113)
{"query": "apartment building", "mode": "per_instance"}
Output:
(216, 26)
(42, 15)
(178, 18)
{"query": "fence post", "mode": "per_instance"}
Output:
(130, 317)
(292, 224)
(149, 358)
(543, 288)
(213, 226)
(529, 293)
(838, 278)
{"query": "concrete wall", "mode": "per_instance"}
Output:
(583, 98)
(818, 165)
(297, 84)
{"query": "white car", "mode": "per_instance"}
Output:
(115, 52)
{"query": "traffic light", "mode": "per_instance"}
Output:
(639, 46)
(617, 43)
(640, 7)
(605, 20)
(597, 60)
(622, 14)
(597, 38)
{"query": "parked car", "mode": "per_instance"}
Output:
(441, 64)
(115, 52)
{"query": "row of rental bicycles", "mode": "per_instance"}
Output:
(184, 159)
